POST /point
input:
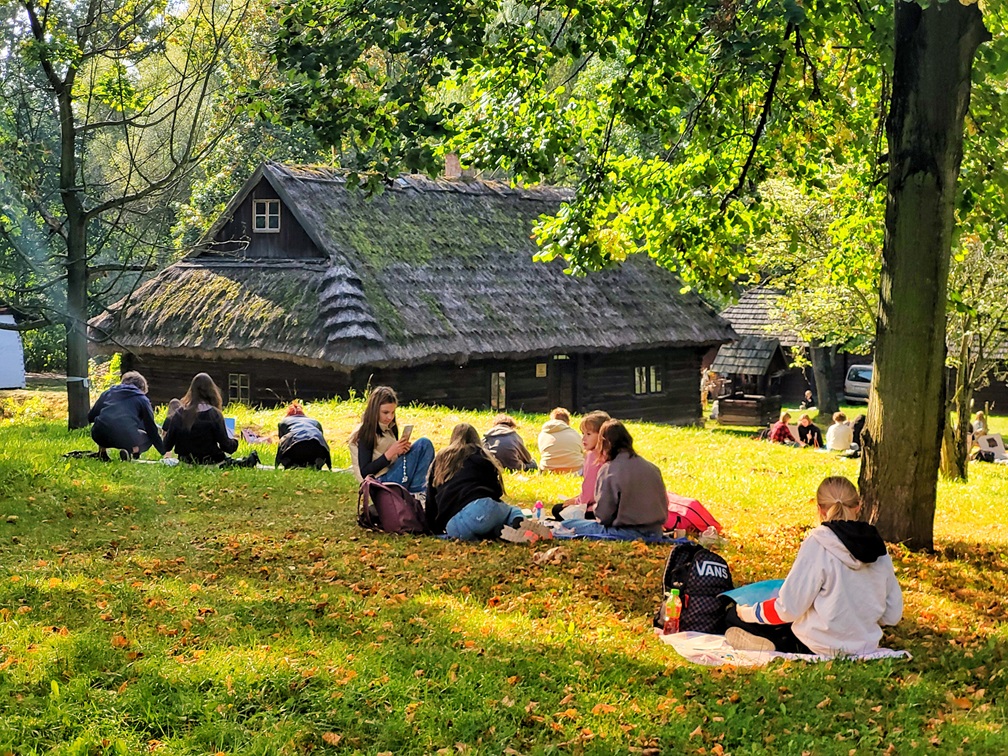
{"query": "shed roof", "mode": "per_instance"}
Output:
(754, 315)
(427, 271)
(749, 355)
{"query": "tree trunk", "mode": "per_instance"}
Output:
(955, 439)
(78, 395)
(934, 51)
(823, 363)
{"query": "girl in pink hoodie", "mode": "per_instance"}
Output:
(583, 505)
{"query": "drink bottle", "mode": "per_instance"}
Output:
(673, 608)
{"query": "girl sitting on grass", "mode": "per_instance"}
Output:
(630, 499)
(839, 592)
(465, 489)
(583, 505)
(196, 431)
(377, 450)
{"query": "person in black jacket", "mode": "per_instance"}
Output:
(808, 433)
(465, 488)
(377, 450)
(197, 431)
(124, 419)
(302, 443)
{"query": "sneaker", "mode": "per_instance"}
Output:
(251, 460)
(742, 640)
(526, 531)
(124, 455)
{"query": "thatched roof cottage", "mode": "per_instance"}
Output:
(305, 288)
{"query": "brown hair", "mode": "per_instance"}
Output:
(614, 438)
(804, 416)
(295, 408)
(785, 416)
(594, 421)
(838, 499)
(839, 417)
(202, 390)
(133, 378)
(465, 442)
(368, 429)
(559, 413)
(504, 419)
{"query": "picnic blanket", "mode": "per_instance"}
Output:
(714, 650)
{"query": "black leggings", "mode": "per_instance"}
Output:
(781, 636)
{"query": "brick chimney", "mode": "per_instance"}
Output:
(452, 167)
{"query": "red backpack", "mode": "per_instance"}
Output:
(689, 514)
(389, 507)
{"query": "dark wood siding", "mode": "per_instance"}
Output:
(271, 382)
(581, 383)
(291, 242)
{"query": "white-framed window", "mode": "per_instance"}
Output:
(498, 391)
(647, 379)
(266, 216)
(238, 387)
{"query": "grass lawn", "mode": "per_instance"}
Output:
(146, 609)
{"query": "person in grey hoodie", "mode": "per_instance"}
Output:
(504, 443)
(124, 419)
(630, 498)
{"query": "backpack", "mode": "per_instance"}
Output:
(389, 507)
(689, 514)
(701, 576)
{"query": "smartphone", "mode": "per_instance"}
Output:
(407, 432)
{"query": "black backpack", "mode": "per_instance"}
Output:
(701, 576)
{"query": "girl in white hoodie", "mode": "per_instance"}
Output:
(839, 592)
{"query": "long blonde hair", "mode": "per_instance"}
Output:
(465, 441)
(838, 499)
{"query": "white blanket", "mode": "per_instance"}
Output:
(714, 650)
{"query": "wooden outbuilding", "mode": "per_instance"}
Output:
(306, 288)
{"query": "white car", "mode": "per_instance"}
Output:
(857, 384)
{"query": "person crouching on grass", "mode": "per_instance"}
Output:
(840, 591)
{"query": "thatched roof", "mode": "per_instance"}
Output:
(424, 272)
(749, 355)
(754, 315)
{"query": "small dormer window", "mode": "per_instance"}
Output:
(266, 216)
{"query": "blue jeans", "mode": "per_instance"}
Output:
(410, 469)
(594, 527)
(481, 518)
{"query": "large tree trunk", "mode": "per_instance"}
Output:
(823, 362)
(934, 51)
(78, 395)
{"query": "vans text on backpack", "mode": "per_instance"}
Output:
(700, 576)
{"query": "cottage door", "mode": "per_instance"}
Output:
(562, 383)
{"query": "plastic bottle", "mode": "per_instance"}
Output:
(673, 608)
(538, 510)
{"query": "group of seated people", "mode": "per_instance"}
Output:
(622, 495)
(841, 436)
(123, 419)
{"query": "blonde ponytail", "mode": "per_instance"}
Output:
(838, 499)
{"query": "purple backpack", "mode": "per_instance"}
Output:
(388, 507)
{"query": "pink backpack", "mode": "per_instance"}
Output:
(389, 507)
(689, 514)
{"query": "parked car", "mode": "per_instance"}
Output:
(857, 384)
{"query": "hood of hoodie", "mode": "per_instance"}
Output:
(122, 390)
(554, 426)
(500, 430)
(854, 543)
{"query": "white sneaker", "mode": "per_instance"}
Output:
(743, 640)
(526, 531)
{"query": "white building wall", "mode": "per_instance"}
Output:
(12, 374)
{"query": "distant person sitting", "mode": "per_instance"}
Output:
(302, 443)
(507, 447)
(808, 433)
(979, 424)
(857, 428)
(197, 432)
(630, 498)
(377, 450)
(124, 419)
(839, 436)
(780, 433)
(809, 401)
(560, 445)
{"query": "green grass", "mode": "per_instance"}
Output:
(194, 611)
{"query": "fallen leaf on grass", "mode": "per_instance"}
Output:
(331, 738)
(120, 641)
(603, 708)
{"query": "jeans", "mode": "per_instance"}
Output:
(410, 469)
(482, 518)
(594, 527)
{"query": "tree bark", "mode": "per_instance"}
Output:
(823, 362)
(934, 50)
